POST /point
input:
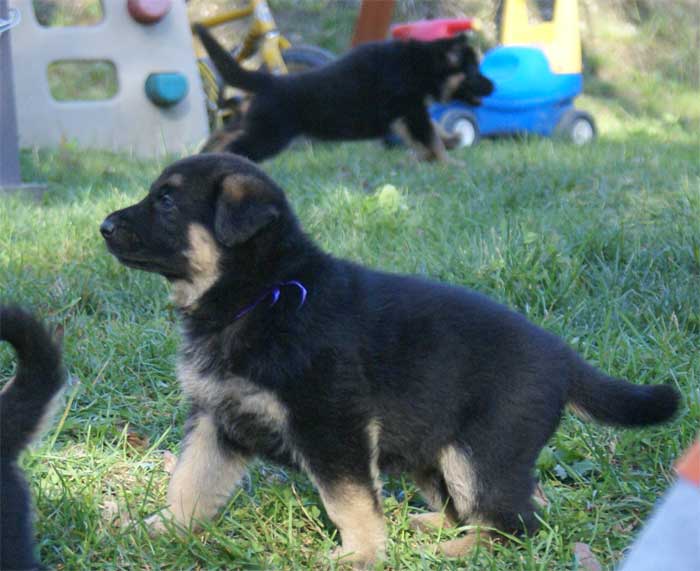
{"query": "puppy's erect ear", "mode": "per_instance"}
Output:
(455, 54)
(241, 210)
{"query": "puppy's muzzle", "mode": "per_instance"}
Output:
(107, 228)
(118, 235)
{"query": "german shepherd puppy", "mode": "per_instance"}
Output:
(26, 402)
(345, 372)
(363, 95)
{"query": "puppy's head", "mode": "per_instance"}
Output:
(202, 215)
(460, 71)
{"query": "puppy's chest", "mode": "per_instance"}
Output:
(232, 400)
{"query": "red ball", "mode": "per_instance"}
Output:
(148, 11)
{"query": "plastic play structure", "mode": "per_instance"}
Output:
(537, 73)
(159, 105)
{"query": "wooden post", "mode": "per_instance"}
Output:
(373, 21)
(10, 179)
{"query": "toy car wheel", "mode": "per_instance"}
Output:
(303, 57)
(577, 127)
(463, 124)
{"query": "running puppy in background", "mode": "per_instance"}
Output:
(345, 372)
(365, 94)
(26, 402)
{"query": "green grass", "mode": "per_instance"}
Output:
(600, 245)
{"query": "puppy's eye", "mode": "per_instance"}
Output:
(166, 202)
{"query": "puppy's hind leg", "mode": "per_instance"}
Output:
(204, 477)
(258, 144)
(464, 489)
(434, 491)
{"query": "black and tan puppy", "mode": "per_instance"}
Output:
(346, 372)
(363, 95)
(25, 404)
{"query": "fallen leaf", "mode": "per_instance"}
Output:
(169, 461)
(585, 557)
(623, 529)
(539, 497)
(112, 513)
(137, 441)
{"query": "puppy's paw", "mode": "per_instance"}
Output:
(355, 559)
(451, 140)
(451, 161)
(461, 546)
(161, 523)
(428, 521)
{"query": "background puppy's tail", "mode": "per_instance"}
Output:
(26, 399)
(616, 401)
(228, 67)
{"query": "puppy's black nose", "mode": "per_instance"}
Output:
(107, 228)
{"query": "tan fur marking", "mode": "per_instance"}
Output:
(236, 185)
(239, 186)
(435, 151)
(353, 510)
(220, 140)
(429, 521)
(450, 86)
(203, 479)
(461, 546)
(429, 491)
(374, 429)
(250, 398)
(176, 180)
(203, 256)
(460, 479)
(578, 411)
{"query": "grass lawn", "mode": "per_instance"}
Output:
(600, 245)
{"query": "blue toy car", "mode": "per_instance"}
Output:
(528, 98)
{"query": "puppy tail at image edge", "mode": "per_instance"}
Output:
(619, 402)
(27, 400)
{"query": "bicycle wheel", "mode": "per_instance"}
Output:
(303, 57)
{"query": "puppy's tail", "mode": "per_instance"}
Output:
(228, 67)
(619, 402)
(26, 399)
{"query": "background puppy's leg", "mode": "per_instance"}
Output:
(450, 140)
(434, 490)
(258, 144)
(204, 477)
(424, 139)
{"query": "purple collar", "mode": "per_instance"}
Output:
(274, 293)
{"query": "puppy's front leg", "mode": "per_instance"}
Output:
(421, 135)
(355, 510)
(203, 479)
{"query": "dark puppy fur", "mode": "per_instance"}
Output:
(25, 403)
(374, 372)
(363, 95)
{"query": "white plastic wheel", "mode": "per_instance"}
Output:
(466, 131)
(582, 131)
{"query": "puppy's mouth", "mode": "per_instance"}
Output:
(472, 92)
(136, 262)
